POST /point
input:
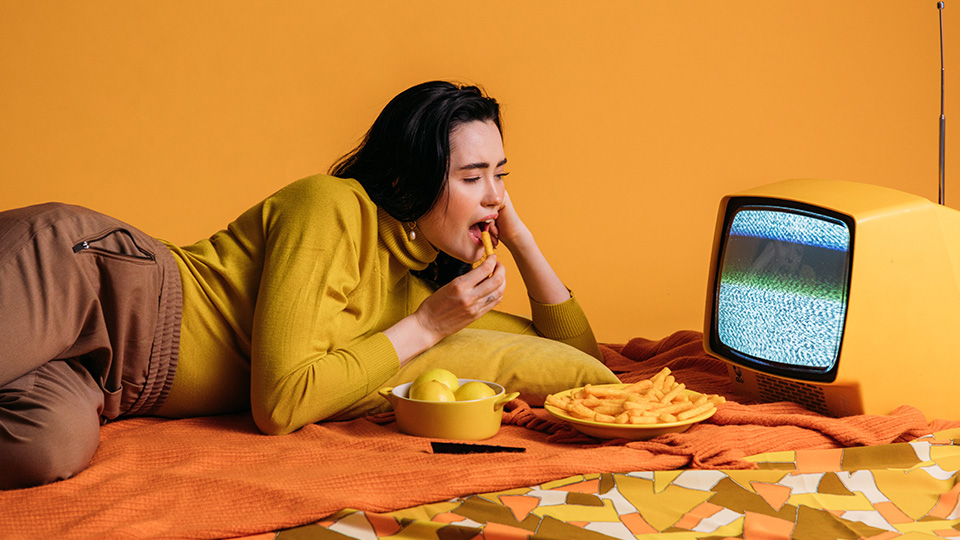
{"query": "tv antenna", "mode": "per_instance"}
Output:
(943, 119)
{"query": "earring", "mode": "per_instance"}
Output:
(413, 233)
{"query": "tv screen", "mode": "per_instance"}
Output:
(783, 286)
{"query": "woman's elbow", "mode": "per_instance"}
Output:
(271, 419)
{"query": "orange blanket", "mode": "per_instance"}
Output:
(218, 477)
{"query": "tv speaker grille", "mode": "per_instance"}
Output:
(776, 389)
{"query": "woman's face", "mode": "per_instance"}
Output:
(474, 193)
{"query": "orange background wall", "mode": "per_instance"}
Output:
(626, 120)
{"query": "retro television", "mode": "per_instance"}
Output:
(843, 297)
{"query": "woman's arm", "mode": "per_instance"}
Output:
(556, 314)
(468, 297)
(314, 349)
(451, 308)
(542, 283)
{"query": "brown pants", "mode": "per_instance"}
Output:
(89, 332)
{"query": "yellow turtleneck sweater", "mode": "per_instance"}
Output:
(284, 311)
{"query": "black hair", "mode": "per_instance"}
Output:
(403, 159)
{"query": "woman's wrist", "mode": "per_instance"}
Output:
(542, 283)
(410, 338)
(521, 243)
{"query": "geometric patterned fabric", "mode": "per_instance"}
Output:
(904, 490)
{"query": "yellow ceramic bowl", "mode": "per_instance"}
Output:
(604, 430)
(457, 420)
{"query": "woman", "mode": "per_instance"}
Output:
(306, 303)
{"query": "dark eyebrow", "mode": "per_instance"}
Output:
(481, 165)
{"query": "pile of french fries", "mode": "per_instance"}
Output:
(659, 399)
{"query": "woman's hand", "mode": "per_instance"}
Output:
(508, 228)
(464, 299)
(543, 284)
(450, 309)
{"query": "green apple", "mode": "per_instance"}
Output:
(431, 391)
(474, 390)
(440, 375)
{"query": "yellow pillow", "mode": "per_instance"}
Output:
(531, 365)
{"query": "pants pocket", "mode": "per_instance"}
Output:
(129, 283)
(117, 241)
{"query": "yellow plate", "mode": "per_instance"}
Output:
(636, 432)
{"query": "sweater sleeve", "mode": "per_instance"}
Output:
(319, 291)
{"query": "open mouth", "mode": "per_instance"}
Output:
(477, 228)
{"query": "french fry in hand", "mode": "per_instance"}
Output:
(487, 247)
(487, 242)
(659, 399)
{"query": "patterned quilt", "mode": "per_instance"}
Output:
(903, 490)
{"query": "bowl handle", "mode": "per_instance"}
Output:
(387, 394)
(504, 399)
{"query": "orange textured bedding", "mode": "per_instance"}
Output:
(218, 477)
